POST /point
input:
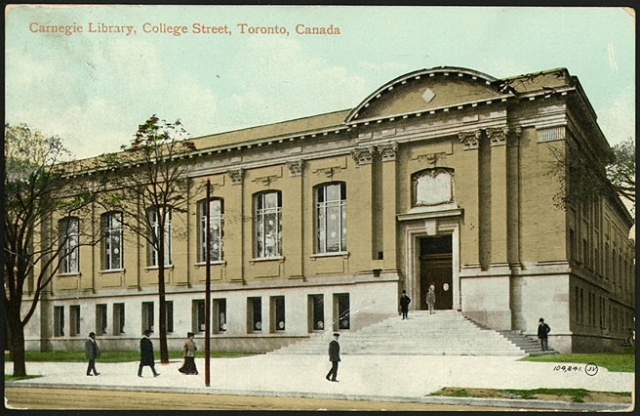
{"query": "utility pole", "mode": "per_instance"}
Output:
(207, 299)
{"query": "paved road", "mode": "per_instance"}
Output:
(69, 399)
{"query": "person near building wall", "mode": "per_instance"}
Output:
(334, 357)
(543, 331)
(404, 304)
(93, 351)
(431, 299)
(146, 354)
(189, 351)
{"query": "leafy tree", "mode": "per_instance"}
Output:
(146, 182)
(622, 172)
(584, 180)
(33, 252)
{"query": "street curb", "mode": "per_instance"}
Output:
(469, 401)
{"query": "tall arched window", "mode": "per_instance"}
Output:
(267, 224)
(112, 254)
(69, 245)
(216, 211)
(155, 220)
(331, 214)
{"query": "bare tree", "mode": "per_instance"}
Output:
(35, 195)
(147, 183)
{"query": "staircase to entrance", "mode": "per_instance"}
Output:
(443, 333)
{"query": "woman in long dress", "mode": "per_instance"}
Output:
(189, 350)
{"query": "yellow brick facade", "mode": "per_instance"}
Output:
(474, 147)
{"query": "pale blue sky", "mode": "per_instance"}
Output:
(93, 89)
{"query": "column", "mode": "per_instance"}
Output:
(360, 209)
(234, 237)
(293, 239)
(498, 177)
(389, 205)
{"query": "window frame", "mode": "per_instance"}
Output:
(216, 219)
(70, 245)
(153, 218)
(260, 235)
(109, 231)
(322, 212)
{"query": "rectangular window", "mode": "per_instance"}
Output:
(277, 314)
(169, 315)
(70, 240)
(155, 220)
(58, 321)
(331, 213)
(118, 318)
(254, 314)
(101, 319)
(220, 315)
(112, 243)
(216, 209)
(74, 320)
(147, 316)
(316, 313)
(582, 305)
(268, 212)
(198, 316)
(577, 303)
(341, 302)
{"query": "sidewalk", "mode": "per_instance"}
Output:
(362, 377)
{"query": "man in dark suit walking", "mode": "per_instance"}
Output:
(334, 357)
(146, 354)
(93, 352)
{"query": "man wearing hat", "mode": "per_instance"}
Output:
(543, 331)
(93, 352)
(334, 357)
(404, 305)
(146, 354)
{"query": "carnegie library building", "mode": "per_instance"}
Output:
(439, 177)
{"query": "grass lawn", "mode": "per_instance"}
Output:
(114, 356)
(572, 395)
(622, 360)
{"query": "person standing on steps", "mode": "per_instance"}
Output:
(404, 305)
(431, 298)
(543, 331)
(93, 352)
(146, 354)
(334, 357)
(189, 350)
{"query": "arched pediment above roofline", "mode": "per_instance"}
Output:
(429, 88)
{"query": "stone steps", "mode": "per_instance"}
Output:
(443, 333)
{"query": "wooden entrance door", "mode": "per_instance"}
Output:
(436, 269)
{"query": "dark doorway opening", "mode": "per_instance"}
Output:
(436, 268)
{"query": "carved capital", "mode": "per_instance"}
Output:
(236, 176)
(363, 155)
(498, 137)
(513, 138)
(388, 151)
(295, 167)
(470, 139)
